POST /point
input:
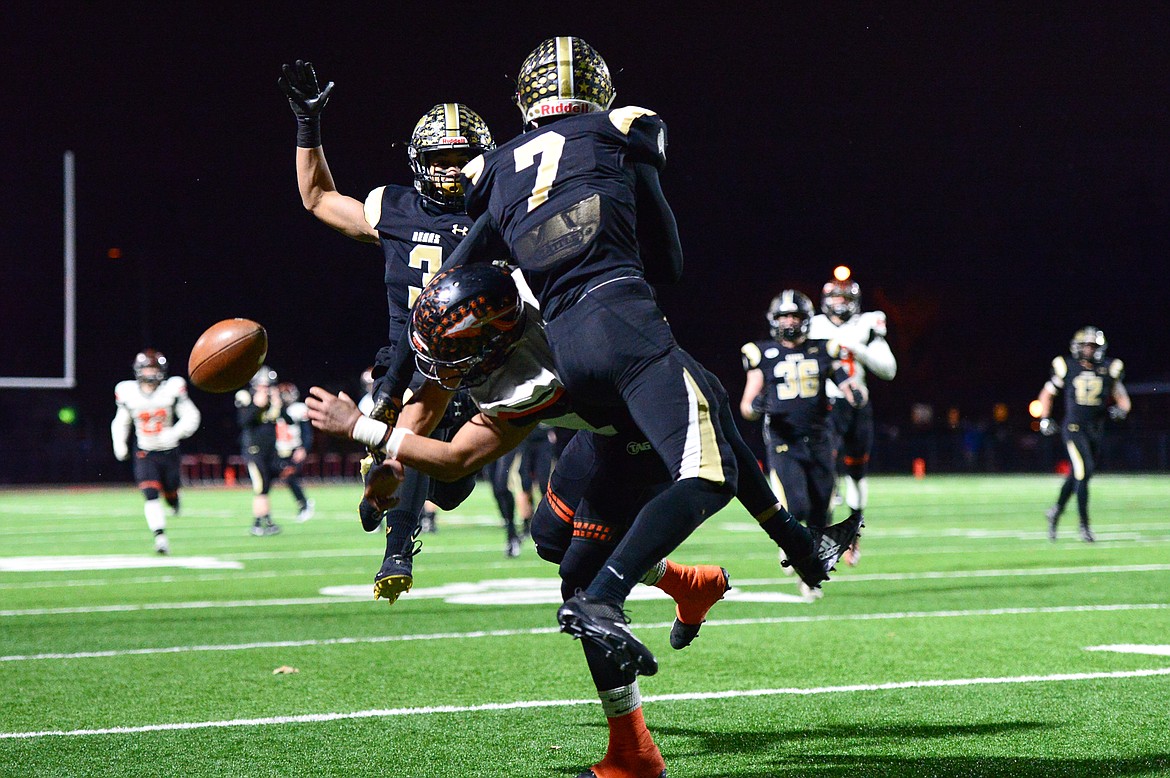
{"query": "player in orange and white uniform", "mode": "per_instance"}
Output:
(864, 350)
(161, 414)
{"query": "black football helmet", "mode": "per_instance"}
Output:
(848, 307)
(465, 323)
(149, 359)
(1085, 338)
(561, 77)
(446, 127)
(790, 302)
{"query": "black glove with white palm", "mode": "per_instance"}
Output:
(307, 100)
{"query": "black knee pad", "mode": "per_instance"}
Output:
(150, 493)
(550, 533)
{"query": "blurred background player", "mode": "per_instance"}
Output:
(1088, 380)
(861, 338)
(258, 408)
(161, 414)
(417, 228)
(515, 476)
(787, 380)
(294, 440)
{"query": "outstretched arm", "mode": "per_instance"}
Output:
(318, 192)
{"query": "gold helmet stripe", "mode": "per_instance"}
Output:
(451, 120)
(565, 67)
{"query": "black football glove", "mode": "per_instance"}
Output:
(307, 100)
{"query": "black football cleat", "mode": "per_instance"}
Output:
(371, 517)
(831, 543)
(603, 623)
(1087, 534)
(396, 575)
(1053, 516)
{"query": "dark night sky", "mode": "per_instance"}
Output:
(997, 176)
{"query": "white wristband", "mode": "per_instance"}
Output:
(396, 438)
(369, 431)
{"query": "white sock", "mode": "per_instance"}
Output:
(654, 574)
(156, 517)
(856, 493)
(620, 701)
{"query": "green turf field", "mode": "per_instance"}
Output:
(959, 646)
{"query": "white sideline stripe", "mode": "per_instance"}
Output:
(552, 630)
(1022, 572)
(313, 718)
(1131, 648)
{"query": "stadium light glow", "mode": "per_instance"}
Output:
(1034, 409)
(842, 273)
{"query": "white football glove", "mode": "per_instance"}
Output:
(1117, 414)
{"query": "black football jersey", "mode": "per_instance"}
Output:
(1087, 389)
(562, 197)
(417, 237)
(795, 403)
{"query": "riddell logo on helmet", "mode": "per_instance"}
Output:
(458, 141)
(556, 109)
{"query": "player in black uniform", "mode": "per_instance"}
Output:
(417, 228)
(258, 408)
(786, 381)
(1089, 380)
(466, 327)
(576, 202)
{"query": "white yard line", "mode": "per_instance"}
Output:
(713, 623)
(314, 718)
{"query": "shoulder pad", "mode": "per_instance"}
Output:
(622, 118)
(474, 169)
(178, 384)
(751, 356)
(373, 207)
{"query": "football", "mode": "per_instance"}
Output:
(227, 355)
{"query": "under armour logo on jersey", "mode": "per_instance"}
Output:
(459, 229)
(421, 236)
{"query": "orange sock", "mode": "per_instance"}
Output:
(694, 589)
(632, 753)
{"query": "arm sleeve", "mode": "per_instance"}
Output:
(187, 416)
(877, 357)
(120, 432)
(657, 230)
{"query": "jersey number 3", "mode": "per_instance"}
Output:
(428, 259)
(549, 146)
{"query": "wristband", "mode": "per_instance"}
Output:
(308, 132)
(369, 431)
(396, 438)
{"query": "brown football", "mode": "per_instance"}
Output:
(227, 355)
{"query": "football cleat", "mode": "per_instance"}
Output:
(270, 528)
(603, 623)
(307, 512)
(811, 593)
(1053, 515)
(161, 545)
(690, 613)
(1087, 534)
(831, 544)
(371, 517)
(396, 575)
(512, 549)
(427, 522)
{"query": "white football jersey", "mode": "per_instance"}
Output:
(289, 433)
(160, 419)
(528, 381)
(864, 349)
